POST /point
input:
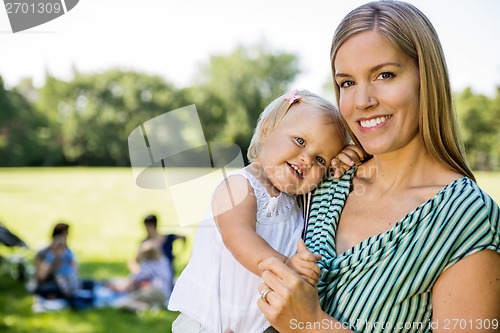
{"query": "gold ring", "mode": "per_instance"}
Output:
(264, 293)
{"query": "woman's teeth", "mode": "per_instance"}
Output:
(373, 122)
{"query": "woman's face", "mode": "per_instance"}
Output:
(379, 92)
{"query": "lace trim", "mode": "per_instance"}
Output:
(270, 209)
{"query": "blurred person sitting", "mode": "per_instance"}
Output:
(56, 272)
(164, 243)
(150, 285)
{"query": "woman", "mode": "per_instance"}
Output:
(408, 241)
(55, 266)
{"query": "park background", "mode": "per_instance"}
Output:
(73, 89)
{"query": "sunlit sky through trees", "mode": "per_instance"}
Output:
(171, 38)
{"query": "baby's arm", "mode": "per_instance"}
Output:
(234, 209)
(304, 263)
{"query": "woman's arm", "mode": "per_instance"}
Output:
(293, 304)
(466, 297)
(234, 208)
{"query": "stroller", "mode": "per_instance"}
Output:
(13, 263)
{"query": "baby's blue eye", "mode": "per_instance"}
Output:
(320, 160)
(300, 141)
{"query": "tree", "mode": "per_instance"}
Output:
(87, 120)
(21, 129)
(479, 118)
(93, 114)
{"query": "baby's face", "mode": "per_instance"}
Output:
(297, 153)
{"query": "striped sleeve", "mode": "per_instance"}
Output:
(476, 223)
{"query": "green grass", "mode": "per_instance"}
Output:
(16, 316)
(104, 208)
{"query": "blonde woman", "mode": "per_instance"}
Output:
(409, 242)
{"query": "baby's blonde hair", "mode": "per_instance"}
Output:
(149, 251)
(277, 109)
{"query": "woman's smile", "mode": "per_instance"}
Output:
(374, 122)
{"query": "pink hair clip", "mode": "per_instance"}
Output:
(292, 97)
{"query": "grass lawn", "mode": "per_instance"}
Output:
(105, 209)
(16, 316)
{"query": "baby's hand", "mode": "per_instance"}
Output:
(350, 155)
(304, 263)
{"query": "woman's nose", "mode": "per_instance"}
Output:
(365, 98)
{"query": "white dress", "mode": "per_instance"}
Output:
(214, 288)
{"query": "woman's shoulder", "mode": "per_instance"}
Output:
(466, 188)
(468, 218)
(464, 199)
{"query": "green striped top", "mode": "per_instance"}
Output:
(385, 282)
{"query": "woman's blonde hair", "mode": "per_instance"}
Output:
(410, 31)
(277, 109)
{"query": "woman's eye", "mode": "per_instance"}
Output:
(300, 141)
(320, 160)
(346, 84)
(386, 75)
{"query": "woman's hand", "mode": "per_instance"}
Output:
(348, 157)
(290, 299)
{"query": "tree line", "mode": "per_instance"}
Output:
(87, 120)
